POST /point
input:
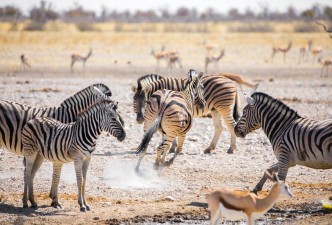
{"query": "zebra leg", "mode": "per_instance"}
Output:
(78, 162)
(28, 181)
(179, 149)
(55, 184)
(162, 149)
(86, 164)
(217, 131)
(259, 186)
(174, 145)
(230, 123)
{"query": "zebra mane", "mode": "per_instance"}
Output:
(143, 81)
(86, 91)
(103, 88)
(93, 108)
(260, 96)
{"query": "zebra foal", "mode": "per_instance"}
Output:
(61, 143)
(171, 112)
(295, 140)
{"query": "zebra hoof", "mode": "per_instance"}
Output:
(25, 205)
(33, 206)
(230, 151)
(87, 208)
(83, 209)
(207, 151)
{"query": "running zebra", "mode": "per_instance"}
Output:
(47, 138)
(220, 93)
(295, 140)
(13, 116)
(171, 112)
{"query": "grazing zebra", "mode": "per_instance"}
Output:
(45, 137)
(171, 112)
(295, 140)
(220, 93)
(13, 116)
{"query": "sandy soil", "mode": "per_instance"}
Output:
(117, 195)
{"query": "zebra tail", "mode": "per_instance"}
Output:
(148, 136)
(236, 110)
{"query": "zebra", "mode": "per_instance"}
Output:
(48, 138)
(295, 140)
(171, 112)
(13, 115)
(220, 93)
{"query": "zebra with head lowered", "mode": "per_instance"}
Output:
(295, 140)
(171, 112)
(220, 93)
(45, 137)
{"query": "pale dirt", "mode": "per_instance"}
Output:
(117, 195)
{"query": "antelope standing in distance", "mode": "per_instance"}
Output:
(173, 57)
(316, 52)
(209, 46)
(159, 55)
(24, 62)
(213, 59)
(283, 49)
(325, 28)
(236, 205)
(304, 51)
(78, 58)
(325, 63)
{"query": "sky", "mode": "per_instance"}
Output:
(133, 5)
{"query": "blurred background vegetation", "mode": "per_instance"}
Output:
(44, 17)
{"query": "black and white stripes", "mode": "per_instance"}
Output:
(60, 143)
(295, 140)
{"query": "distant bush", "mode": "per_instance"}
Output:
(34, 26)
(306, 28)
(251, 27)
(186, 27)
(86, 27)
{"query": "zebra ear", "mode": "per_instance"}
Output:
(249, 99)
(133, 88)
(200, 75)
(97, 91)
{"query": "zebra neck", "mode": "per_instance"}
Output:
(275, 118)
(87, 129)
(189, 96)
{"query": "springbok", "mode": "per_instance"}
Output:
(325, 63)
(304, 51)
(284, 50)
(78, 58)
(213, 59)
(24, 62)
(237, 206)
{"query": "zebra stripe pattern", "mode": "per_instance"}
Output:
(13, 116)
(295, 140)
(47, 138)
(221, 97)
(173, 118)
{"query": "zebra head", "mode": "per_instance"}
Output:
(112, 122)
(249, 120)
(197, 88)
(139, 101)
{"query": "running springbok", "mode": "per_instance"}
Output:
(78, 58)
(325, 63)
(236, 206)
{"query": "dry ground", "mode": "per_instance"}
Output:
(115, 192)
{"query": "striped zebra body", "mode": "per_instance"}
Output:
(173, 118)
(295, 140)
(13, 116)
(220, 94)
(47, 138)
